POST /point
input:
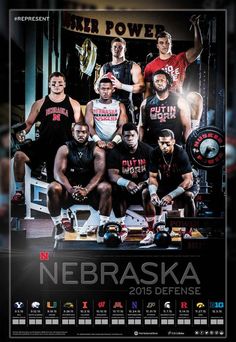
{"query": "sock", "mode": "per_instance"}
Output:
(64, 213)
(103, 219)
(20, 187)
(56, 219)
(150, 220)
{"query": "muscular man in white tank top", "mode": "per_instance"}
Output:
(105, 117)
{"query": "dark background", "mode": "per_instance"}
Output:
(231, 125)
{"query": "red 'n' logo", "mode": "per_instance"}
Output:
(44, 256)
(56, 117)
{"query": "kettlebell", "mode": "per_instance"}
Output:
(111, 236)
(162, 239)
(160, 226)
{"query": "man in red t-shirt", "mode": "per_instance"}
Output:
(176, 66)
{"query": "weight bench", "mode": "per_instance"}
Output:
(31, 197)
(34, 187)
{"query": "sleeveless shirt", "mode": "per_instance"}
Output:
(106, 117)
(80, 162)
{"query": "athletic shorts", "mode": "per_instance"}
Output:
(38, 153)
(93, 200)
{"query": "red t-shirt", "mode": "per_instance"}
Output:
(175, 65)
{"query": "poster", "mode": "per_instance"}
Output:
(79, 288)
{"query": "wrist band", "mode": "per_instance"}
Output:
(195, 124)
(122, 182)
(127, 87)
(152, 189)
(178, 191)
(95, 138)
(117, 139)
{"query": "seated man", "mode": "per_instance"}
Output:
(105, 116)
(128, 167)
(78, 170)
(170, 178)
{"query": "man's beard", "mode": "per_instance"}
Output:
(161, 91)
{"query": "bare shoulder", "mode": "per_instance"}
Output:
(73, 102)
(89, 104)
(135, 67)
(63, 151)
(38, 104)
(35, 109)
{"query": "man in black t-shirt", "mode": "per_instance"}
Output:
(128, 169)
(170, 178)
(164, 110)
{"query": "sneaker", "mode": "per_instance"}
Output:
(100, 234)
(186, 233)
(124, 233)
(149, 238)
(66, 224)
(91, 230)
(18, 198)
(60, 232)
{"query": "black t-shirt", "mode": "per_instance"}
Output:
(131, 166)
(162, 114)
(170, 168)
(122, 72)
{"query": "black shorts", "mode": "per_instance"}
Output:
(121, 194)
(38, 153)
(164, 191)
(93, 200)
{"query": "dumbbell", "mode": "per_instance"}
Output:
(111, 234)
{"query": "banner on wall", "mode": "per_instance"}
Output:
(132, 24)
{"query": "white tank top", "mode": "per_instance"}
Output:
(106, 117)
